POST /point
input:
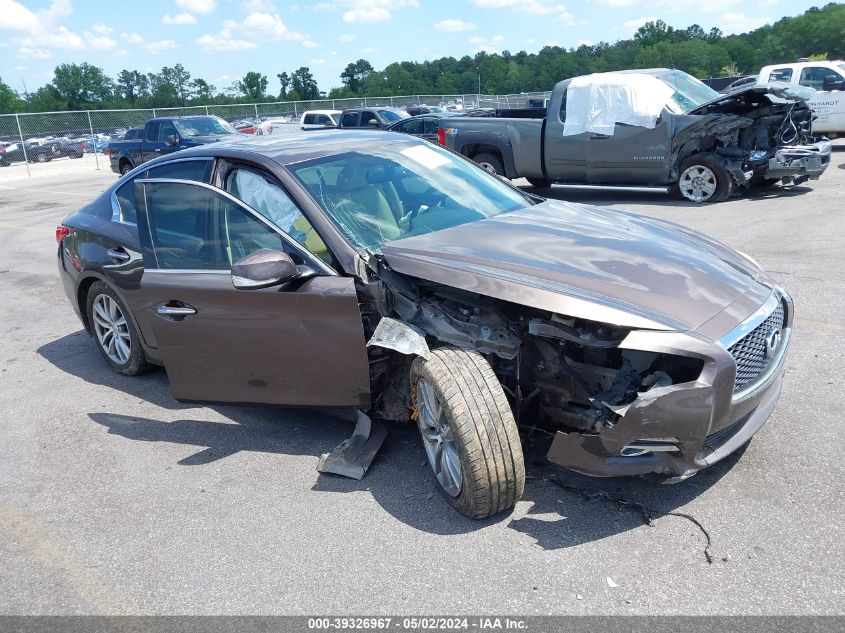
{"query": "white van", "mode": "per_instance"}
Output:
(828, 79)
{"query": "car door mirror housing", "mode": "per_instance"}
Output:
(264, 268)
(374, 124)
(172, 140)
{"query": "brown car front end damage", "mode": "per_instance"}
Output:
(664, 358)
(679, 429)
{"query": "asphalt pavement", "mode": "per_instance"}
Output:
(116, 499)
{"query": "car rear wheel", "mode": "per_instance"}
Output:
(704, 179)
(490, 163)
(114, 331)
(42, 158)
(125, 168)
(468, 432)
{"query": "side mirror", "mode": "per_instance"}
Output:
(172, 140)
(374, 124)
(263, 268)
(329, 124)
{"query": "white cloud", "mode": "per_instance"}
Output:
(99, 42)
(673, 6)
(487, 44)
(262, 26)
(347, 37)
(740, 23)
(20, 67)
(535, 7)
(101, 29)
(767, 3)
(310, 44)
(17, 17)
(34, 53)
(151, 47)
(179, 18)
(223, 42)
(252, 6)
(530, 40)
(323, 6)
(631, 26)
(454, 25)
(198, 6)
(318, 62)
(372, 14)
(370, 50)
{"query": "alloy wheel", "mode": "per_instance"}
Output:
(490, 169)
(697, 183)
(438, 439)
(111, 329)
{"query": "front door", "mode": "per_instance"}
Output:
(566, 156)
(633, 155)
(297, 344)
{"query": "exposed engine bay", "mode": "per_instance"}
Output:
(560, 373)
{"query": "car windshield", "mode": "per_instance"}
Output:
(399, 190)
(689, 91)
(203, 126)
(391, 116)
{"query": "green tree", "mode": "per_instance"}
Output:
(82, 85)
(253, 86)
(132, 85)
(284, 80)
(355, 75)
(304, 84)
(9, 100)
(203, 91)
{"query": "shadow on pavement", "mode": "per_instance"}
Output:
(399, 479)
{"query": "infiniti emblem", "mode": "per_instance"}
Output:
(773, 339)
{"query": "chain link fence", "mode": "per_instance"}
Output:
(67, 142)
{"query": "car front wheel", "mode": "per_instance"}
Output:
(468, 432)
(490, 163)
(703, 178)
(114, 331)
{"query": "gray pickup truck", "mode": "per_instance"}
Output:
(702, 144)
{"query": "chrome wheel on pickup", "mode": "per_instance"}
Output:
(704, 178)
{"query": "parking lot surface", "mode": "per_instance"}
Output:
(114, 498)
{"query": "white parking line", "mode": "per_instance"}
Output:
(64, 193)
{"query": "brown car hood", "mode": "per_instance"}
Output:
(587, 262)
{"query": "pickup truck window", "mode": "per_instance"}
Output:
(563, 108)
(152, 132)
(165, 130)
(781, 74)
(391, 116)
(813, 76)
(203, 126)
(366, 117)
(350, 119)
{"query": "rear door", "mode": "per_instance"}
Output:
(633, 155)
(298, 344)
(565, 156)
(149, 144)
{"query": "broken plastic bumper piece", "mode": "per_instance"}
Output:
(800, 161)
(352, 457)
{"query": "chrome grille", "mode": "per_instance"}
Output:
(749, 352)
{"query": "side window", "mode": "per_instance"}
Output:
(781, 74)
(430, 126)
(152, 132)
(813, 76)
(414, 126)
(563, 107)
(196, 228)
(350, 119)
(182, 170)
(262, 194)
(366, 117)
(321, 119)
(125, 195)
(166, 129)
(308, 120)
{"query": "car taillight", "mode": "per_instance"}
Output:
(108, 152)
(441, 136)
(61, 233)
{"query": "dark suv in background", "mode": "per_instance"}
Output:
(371, 118)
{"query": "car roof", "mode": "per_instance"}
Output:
(374, 107)
(300, 146)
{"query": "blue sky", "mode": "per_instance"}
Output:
(220, 40)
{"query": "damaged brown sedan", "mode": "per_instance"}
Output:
(379, 273)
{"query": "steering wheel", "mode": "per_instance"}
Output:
(431, 197)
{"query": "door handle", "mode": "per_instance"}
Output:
(598, 136)
(157, 149)
(174, 312)
(118, 254)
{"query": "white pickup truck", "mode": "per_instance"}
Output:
(828, 79)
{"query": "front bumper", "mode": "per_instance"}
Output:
(799, 161)
(679, 429)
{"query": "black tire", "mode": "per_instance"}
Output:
(490, 163)
(539, 183)
(481, 425)
(42, 158)
(718, 176)
(125, 168)
(137, 362)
